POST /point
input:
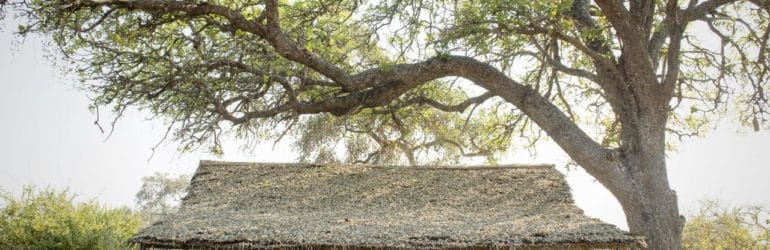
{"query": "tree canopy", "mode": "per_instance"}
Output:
(211, 67)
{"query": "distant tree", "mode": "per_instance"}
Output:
(431, 80)
(160, 195)
(48, 219)
(715, 227)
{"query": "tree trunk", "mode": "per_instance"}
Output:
(655, 215)
(651, 208)
(650, 205)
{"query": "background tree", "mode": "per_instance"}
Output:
(49, 219)
(430, 81)
(160, 195)
(717, 227)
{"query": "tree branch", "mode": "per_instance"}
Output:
(620, 18)
(403, 77)
(271, 33)
(292, 51)
(460, 107)
(380, 86)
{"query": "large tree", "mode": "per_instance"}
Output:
(431, 80)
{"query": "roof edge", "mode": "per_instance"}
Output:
(149, 242)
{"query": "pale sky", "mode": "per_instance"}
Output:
(47, 138)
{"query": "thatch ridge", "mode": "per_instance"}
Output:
(416, 167)
(288, 205)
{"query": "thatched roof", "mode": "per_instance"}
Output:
(254, 205)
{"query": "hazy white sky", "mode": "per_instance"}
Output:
(47, 138)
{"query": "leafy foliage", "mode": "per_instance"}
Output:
(182, 68)
(715, 227)
(403, 132)
(160, 195)
(199, 70)
(49, 219)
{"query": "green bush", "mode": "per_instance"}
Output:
(47, 219)
(715, 227)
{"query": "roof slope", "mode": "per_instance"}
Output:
(252, 205)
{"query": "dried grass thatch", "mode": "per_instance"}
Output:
(254, 205)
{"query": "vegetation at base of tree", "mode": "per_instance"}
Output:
(50, 219)
(718, 227)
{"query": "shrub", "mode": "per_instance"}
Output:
(715, 227)
(47, 219)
